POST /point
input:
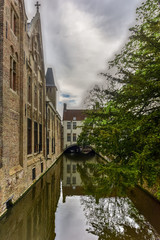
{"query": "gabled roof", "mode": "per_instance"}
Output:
(74, 114)
(34, 29)
(50, 78)
(31, 25)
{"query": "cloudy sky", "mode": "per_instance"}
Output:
(79, 37)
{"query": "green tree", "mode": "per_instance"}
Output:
(126, 125)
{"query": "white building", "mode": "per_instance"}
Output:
(72, 120)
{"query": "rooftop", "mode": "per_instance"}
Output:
(50, 78)
(74, 114)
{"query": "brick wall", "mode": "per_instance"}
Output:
(16, 174)
(1, 76)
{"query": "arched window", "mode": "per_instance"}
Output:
(14, 21)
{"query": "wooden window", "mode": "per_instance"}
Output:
(68, 168)
(13, 72)
(57, 127)
(74, 125)
(33, 173)
(74, 137)
(68, 180)
(29, 90)
(40, 137)
(35, 97)
(68, 137)
(35, 137)
(48, 120)
(41, 167)
(6, 29)
(74, 168)
(68, 125)
(47, 146)
(14, 21)
(74, 180)
(40, 100)
(29, 136)
(53, 145)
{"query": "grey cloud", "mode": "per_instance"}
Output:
(80, 36)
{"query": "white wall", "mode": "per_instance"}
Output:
(72, 131)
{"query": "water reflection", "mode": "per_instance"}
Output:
(116, 218)
(33, 217)
(68, 203)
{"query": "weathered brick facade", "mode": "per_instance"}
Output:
(23, 152)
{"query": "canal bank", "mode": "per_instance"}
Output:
(59, 207)
(13, 203)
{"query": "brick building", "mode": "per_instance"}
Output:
(53, 120)
(23, 136)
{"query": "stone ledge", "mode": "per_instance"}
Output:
(34, 160)
(15, 169)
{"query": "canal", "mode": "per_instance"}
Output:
(60, 207)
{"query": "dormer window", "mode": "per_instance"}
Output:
(74, 118)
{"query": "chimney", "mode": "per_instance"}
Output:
(65, 107)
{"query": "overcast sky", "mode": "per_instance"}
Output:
(79, 37)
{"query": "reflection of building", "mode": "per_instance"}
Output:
(72, 183)
(71, 178)
(72, 120)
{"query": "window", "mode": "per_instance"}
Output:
(68, 168)
(35, 137)
(6, 29)
(74, 125)
(35, 96)
(29, 136)
(33, 173)
(74, 137)
(74, 118)
(13, 70)
(41, 167)
(48, 119)
(68, 137)
(68, 125)
(47, 146)
(40, 137)
(14, 22)
(74, 168)
(57, 127)
(40, 100)
(68, 180)
(53, 145)
(74, 180)
(29, 90)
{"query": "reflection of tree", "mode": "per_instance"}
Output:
(100, 181)
(114, 217)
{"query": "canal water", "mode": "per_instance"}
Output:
(60, 207)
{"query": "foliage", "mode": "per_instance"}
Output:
(124, 123)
